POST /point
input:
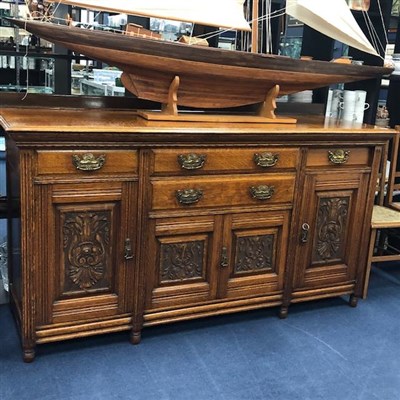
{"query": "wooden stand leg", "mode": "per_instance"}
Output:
(266, 110)
(169, 112)
(171, 108)
(353, 301)
(268, 107)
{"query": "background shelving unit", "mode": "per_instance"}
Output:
(323, 48)
(393, 96)
(56, 61)
(373, 87)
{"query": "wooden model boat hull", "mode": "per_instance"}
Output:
(209, 77)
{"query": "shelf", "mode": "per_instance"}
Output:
(21, 2)
(100, 89)
(22, 88)
(394, 78)
(39, 54)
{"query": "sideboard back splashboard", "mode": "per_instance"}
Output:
(118, 224)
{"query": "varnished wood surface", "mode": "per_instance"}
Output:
(226, 191)
(209, 77)
(60, 162)
(356, 156)
(224, 160)
(31, 119)
(210, 55)
(159, 261)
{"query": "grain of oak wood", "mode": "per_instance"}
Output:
(97, 255)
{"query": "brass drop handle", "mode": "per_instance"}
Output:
(189, 196)
(128, 250)
(224, 258)
(305, 230)
(192, 160)
(338, 156)
(262, 192)
(266, 160)
(88, 162)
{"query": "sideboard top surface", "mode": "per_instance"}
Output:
(32, 124)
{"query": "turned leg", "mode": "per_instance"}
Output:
(28, 354)
(283, 312)
(353, 300)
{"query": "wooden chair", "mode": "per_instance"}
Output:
(384, 244)
(394, 177)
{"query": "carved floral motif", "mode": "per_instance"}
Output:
(86, 239)
(181, 261)
(331, 227)
(254, 253)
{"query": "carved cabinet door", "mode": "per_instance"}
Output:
(253, 255)
(180, 254)
(87, 251)
(331, 222)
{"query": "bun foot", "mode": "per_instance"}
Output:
(135, 337)
(28, 355)
(283, 312)
(353, 301)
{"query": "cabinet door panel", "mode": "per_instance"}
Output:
(331, 222)
(86, 272)
(257, 246)
(85, 237)
(180, 256)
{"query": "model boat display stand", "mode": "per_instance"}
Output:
(169, 111)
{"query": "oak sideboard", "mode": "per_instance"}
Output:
(117, 223)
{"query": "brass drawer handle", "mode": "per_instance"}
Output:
(262, 192)
(266, 160)
(192, 160)
(338, 156)
(189, 196)
(88, 162)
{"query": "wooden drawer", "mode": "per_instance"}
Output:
(87, 162)
(196, 160)
(181, 193)
(339, 156)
